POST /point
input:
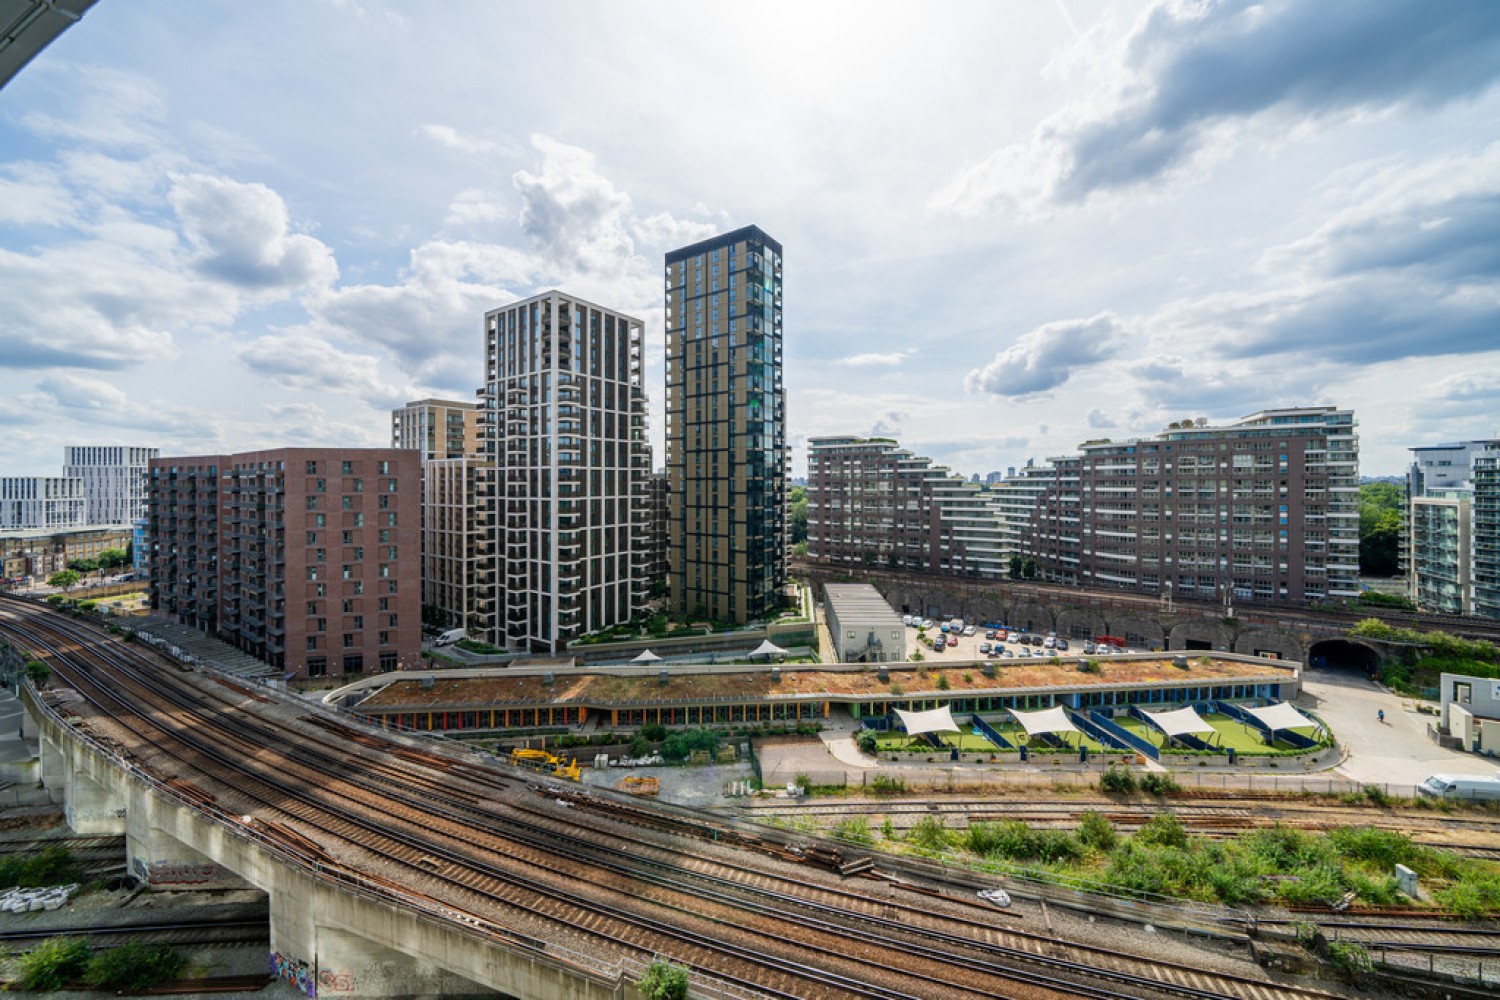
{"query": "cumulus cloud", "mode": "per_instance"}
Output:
(99, 403)
(1099, 420)
(242, 234)
(571, 212)
(888, 424)
(1190, 79)
(298, 360)
(1044, 358)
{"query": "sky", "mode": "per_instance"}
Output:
(1008, 227)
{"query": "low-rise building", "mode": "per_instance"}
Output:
(41, 503)
(863, 627)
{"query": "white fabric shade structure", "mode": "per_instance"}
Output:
(1182, 722)
(767, 648)
(1281, 716)
(1048, 720)
(646, 657)
(934, 720)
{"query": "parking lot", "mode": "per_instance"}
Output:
(970, 647)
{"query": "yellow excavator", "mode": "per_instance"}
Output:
(541, 760)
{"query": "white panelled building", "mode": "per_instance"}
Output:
(38, 503)
(115, 480)
(566, 432)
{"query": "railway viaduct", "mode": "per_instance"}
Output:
(1285, 633)
(330, 935)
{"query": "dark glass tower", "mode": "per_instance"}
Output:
(726, 428)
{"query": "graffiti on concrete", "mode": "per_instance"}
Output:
(181, 873)
(294, 972)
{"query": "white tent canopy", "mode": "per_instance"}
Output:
(767, 648)
(1281, 716)
(1048, 720)
(646, 657)
(1182, 722)
(936, 720)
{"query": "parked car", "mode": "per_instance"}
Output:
(984, 647)
(1462, 786)
(1006, 652)
(938, 645)
(952, 640)
(906, 620)
(1050, 642)
(1062, 645)
(968, 630)
(927, 623)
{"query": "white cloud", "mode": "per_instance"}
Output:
(875, 360)
(242, 234)
(301, 361)
(469, 144)
(1044, 358)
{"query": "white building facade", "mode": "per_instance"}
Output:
(115, 480)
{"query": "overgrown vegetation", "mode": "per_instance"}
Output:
(663, 980)
(1380, 506)
(1117, 781)
(1430, 655)
(53, 964)
(53, 865)
(134, 966)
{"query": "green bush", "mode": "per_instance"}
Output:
(679, 745)
(663, 980)
(867, 741)
(1096, 832)
(884, 784)
(854, 830)
(654, 731)
(53, 964)
(1350, 956)
(134, 966)
(1158, 783)
(37, 672)
(1474, 895)
(54, 865)
(1117, 781)
(930, 834)
(1163, 830)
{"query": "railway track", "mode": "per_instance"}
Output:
(228, 932)
(426, 829)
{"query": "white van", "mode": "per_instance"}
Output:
(1462, 787)
(449, 637)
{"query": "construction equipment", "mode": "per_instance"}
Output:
(541, 760)
(640, 786)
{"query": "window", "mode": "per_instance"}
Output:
(348, 468)
(312, 572)
(385, 638)
(321, 625)
(312, 642)
(348, 503)
(390, 586)
(385, 501)
(312, 538)
(348, 538)
(359, 621)
(385, 569)
(348, 606)
(348, 572)
(321, 486)
(322, 590)
(359, 520)
(312, 468)
(390, 485)
(390, 552)
(320, 555)
(312, 608)
(359, 587)
(321, 520)
(384, 603)
(312, 503)
(353, 663)
(359, 486)
(392, 622)
(391, 519)
(317, 666)
(348, 640)
(385, 468)
(388, 660)
(385, 534)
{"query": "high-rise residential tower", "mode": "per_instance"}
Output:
(114, 480)
(1451, 545)
(726, 427)
(566, 431)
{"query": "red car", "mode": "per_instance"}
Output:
(952, 641)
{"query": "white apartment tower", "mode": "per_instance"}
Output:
(114, 477)
(566, 431)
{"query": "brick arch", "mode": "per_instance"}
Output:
(1255, 641)
(1216, 634)
(1143, 625)
(1030, 615)
(1080, 623)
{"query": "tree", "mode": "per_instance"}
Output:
(113, 558)
(37, 672)
(1015, 567)
(1380, 507)
(663, 980)
(1028, 568)
(797, 502)
(84, 565)
(64, 578)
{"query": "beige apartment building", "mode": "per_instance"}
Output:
(726, 427)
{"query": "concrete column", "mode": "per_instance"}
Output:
(158, 857)
(92, 808)
(54, 770)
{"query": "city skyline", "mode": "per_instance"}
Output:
(1014, 229)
